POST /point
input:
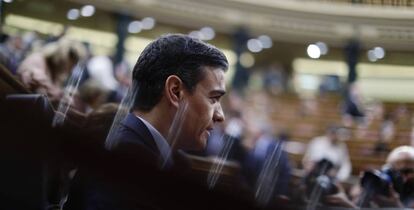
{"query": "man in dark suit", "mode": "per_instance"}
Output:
(177, 84)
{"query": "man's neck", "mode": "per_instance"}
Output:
(154, 117)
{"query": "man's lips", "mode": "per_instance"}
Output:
(208, 133)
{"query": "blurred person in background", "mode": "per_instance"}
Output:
(330, 147)
(387, 130)
(123, 74)
(92, 95)
(412, 132)
(393, 185)
(215, 143)
(353, 110)
(268, 164)
(114, 81)
(386, 134)
(100, 69)
(230, 133)
(234, 132)
(327, 164)
(46, 71)
(54, 38)
(11, 52)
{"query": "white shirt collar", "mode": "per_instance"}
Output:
(162, 144)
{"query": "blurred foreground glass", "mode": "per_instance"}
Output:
(68, 93)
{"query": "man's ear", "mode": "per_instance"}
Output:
(173, 89)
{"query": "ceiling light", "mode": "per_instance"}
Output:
(135, 27)
(73, 14)
(195, 34)
(208, 33)
(371, 56)
(322, 47)
(87, 10)
(379, 52)
(266, 41)
(246, 60)
(254, 45)
(148, 23)
(313, 51)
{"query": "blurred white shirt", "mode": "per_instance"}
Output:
(100, 68)
(321, 147)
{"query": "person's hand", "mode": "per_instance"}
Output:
(393, 200)
(339, 199)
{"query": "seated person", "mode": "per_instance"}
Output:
(353, 110)
(46, 71)
(331, 148)
(178, 82)
(268, 169)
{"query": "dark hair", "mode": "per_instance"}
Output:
(173, 54)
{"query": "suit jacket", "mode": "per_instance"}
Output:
(127, 177)
(134, 131)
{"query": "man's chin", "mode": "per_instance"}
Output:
(195, 145)
(200, 145)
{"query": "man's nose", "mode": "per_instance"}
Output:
(218, 114)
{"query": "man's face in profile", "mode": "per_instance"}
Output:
(204, 109)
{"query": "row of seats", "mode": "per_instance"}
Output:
(286, 114)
